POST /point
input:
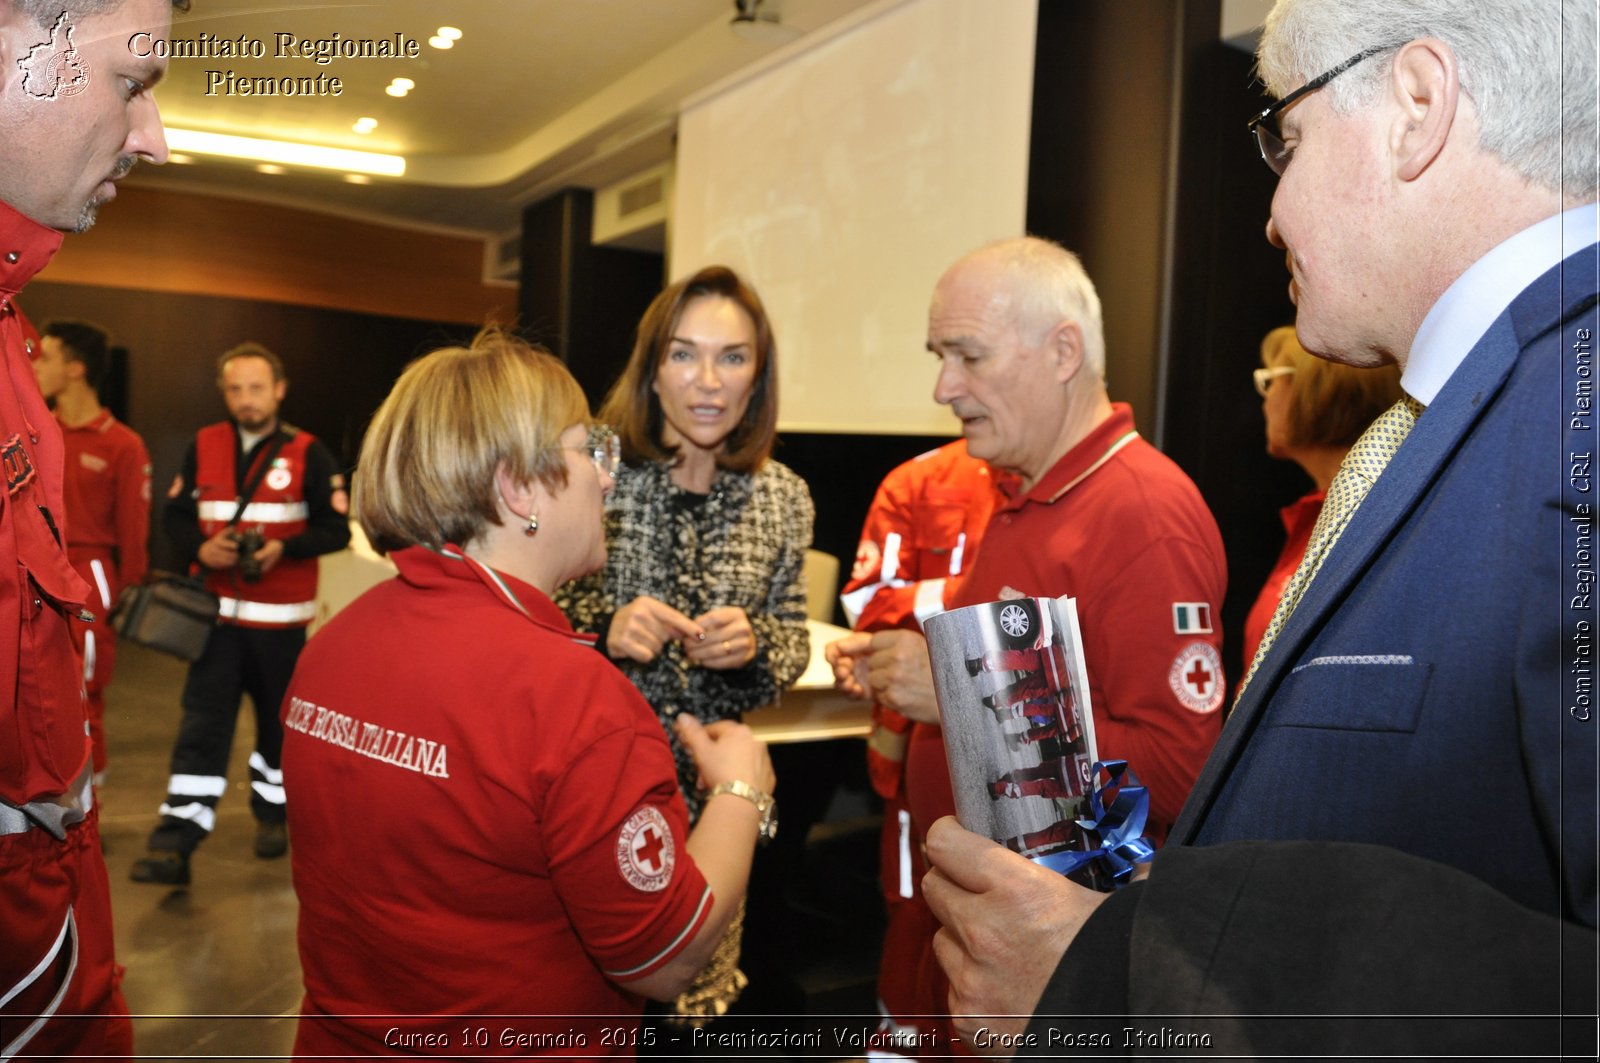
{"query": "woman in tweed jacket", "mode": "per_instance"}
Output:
(701, 603)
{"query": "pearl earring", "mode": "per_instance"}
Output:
(533, 525)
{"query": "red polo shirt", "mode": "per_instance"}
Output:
(486, 821)
(1117, 525)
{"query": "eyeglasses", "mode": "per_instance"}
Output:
(1265, 125)
(603, 448)
(1265, 377)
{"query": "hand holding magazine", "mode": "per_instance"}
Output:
(1019, 734)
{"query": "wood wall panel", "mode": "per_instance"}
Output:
(155, 240)
(340, 364)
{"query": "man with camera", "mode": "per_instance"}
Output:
(257, 502)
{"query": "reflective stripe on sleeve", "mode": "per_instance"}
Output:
(929, 600)
(856, 601)
(958, 553)
(891, 557)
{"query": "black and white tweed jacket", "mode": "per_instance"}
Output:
(743, 545)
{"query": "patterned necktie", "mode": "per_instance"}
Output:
(1359, 471)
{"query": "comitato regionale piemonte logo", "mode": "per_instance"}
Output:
(54, 69)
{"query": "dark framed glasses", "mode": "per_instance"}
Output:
(1265, 125)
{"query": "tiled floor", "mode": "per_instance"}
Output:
(212, 970)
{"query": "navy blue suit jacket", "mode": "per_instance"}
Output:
(1433, 690)
(1431, 697)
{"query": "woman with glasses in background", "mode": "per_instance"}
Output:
(1315, 410)
(701, 602)
(486, 815)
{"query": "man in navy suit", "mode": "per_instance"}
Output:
(1399, 818)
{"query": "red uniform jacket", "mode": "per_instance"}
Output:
(108, 497)
(43, 744)
(919, 541)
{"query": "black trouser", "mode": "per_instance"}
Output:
(237, 661)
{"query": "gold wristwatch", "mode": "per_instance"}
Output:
(765, 803)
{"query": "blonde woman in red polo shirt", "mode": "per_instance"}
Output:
(1314, 411)
(489, 837)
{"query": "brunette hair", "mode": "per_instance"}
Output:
(428, 461)
(85, 343)
(634, 410)
(251, 349)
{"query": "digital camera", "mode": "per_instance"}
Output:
(250, 540)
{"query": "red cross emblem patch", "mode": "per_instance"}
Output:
(1196, 677)
(868, 557)
(645, 852)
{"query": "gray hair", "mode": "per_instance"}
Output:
(1535, 115)
(1052, 286)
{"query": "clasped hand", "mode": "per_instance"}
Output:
(719, 639)
(726, 751)
(221, 551)
(888, 667)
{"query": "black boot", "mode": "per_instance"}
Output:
(164, 867)
(272, 840)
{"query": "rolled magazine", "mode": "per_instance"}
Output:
(1019, 736)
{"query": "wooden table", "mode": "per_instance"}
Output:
(812, 710)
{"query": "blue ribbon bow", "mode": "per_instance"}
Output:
(1120, 828)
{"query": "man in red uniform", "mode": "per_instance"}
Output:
(107, 496)
(919, 541)
(257, 502)
(1089, 510)
(76, 114)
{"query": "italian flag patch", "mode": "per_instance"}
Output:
(1191, 618)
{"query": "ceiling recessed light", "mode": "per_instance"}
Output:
(255, 149)
(269, 167)
(396, 90)
(404, 83)
(365, 125)
(450, 33)
(357, 179)
(441, 42)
